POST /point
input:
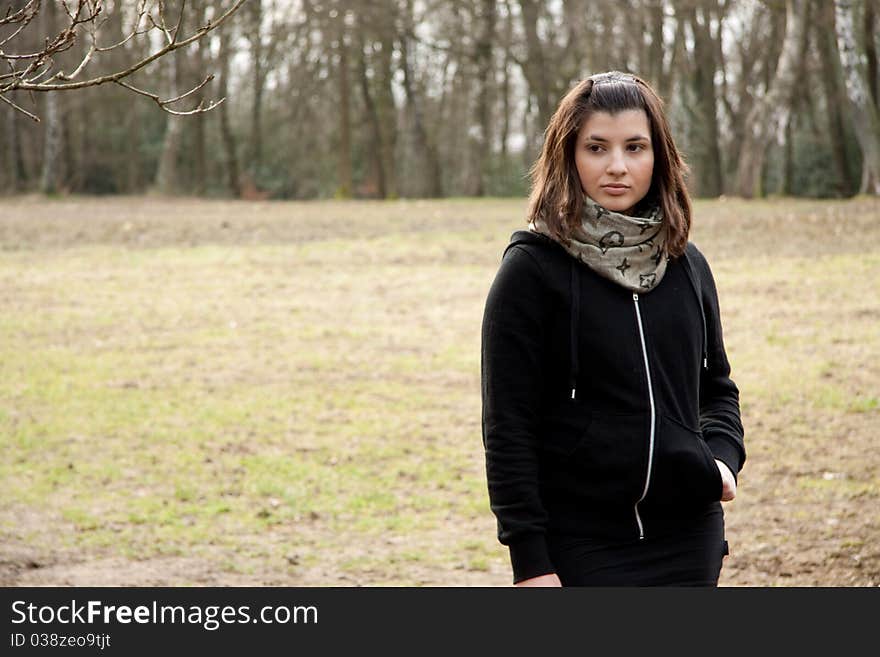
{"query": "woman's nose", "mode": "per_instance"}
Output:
(617, 163)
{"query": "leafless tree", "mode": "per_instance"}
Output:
(854, 45)
(768, 115)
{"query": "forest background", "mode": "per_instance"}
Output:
(444, 98)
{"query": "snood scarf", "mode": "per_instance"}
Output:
(628, 250)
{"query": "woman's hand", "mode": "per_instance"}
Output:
(541, 580)
(728, 482)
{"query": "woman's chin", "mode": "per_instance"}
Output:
(615, 203)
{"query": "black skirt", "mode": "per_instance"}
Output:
(691, 556)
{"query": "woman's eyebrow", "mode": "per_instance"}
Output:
(633, 138)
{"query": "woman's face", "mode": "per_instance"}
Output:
(614, 157)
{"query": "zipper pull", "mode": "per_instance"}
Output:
(572, 393)
(635, 296)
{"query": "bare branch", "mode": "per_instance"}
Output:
(86, 59)
(24, 23)
(163, 104)
(47, 63)
(28, 71)
(61, 42)
(179, 20)
(198, 110)
(162, 25)
(25, 14)
(147, 60)
(134, 31)
(19, 109)
(191, 91)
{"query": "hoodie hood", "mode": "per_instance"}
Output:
(527, 237)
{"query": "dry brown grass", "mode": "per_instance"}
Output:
(207, 392)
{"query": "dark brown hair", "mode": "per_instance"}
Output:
(557, 196)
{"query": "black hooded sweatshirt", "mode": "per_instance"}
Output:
(603, 409)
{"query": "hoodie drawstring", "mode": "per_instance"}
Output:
(696, 288)
(575, 285)
(575, 288)
(575, 325)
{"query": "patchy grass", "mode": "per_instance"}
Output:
(206, 392)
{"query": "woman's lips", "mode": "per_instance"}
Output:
(615, 191)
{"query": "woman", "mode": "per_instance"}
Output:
(611, 425)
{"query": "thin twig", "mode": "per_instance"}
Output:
(164, 26)
(21, 14)
(191, 91)
(179, 19)
(88, 57)
(20, 109)
(14, 34)
(133, 33)
(164, 103)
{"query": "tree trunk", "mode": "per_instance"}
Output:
(166, 175)
(835, 96)
(870, 25)
(505, 81)
(198, 125)
(703, 69)
(601, 38)
(443, 113)
(785, 181)
(50, 180)
(372, 116)
(748, 52)
(786, 185)
(14, 159)
(481, 145)
(866, 118)
(535, 69)
(344, 183)
(132, 51)
(72, 153)
(230, 149)
(432, 184)
(132, 122)
(385, 107)
(532, 145)
(5, 178)
(655, 71)
(53, 145)
(575, 48)
(256, 39)
(769, 112)
(679, 62)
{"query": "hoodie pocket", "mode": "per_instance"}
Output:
(684, 469)
(595, 456)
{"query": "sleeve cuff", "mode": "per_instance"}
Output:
(530, 558)
(723, 450)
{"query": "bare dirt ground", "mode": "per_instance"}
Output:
(229, 393)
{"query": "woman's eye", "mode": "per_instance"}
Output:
(594, 148)
(636, 147)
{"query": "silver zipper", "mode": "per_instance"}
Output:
(651, 398)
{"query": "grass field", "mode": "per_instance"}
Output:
(234, 393)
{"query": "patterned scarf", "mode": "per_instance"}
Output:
(628, 250)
